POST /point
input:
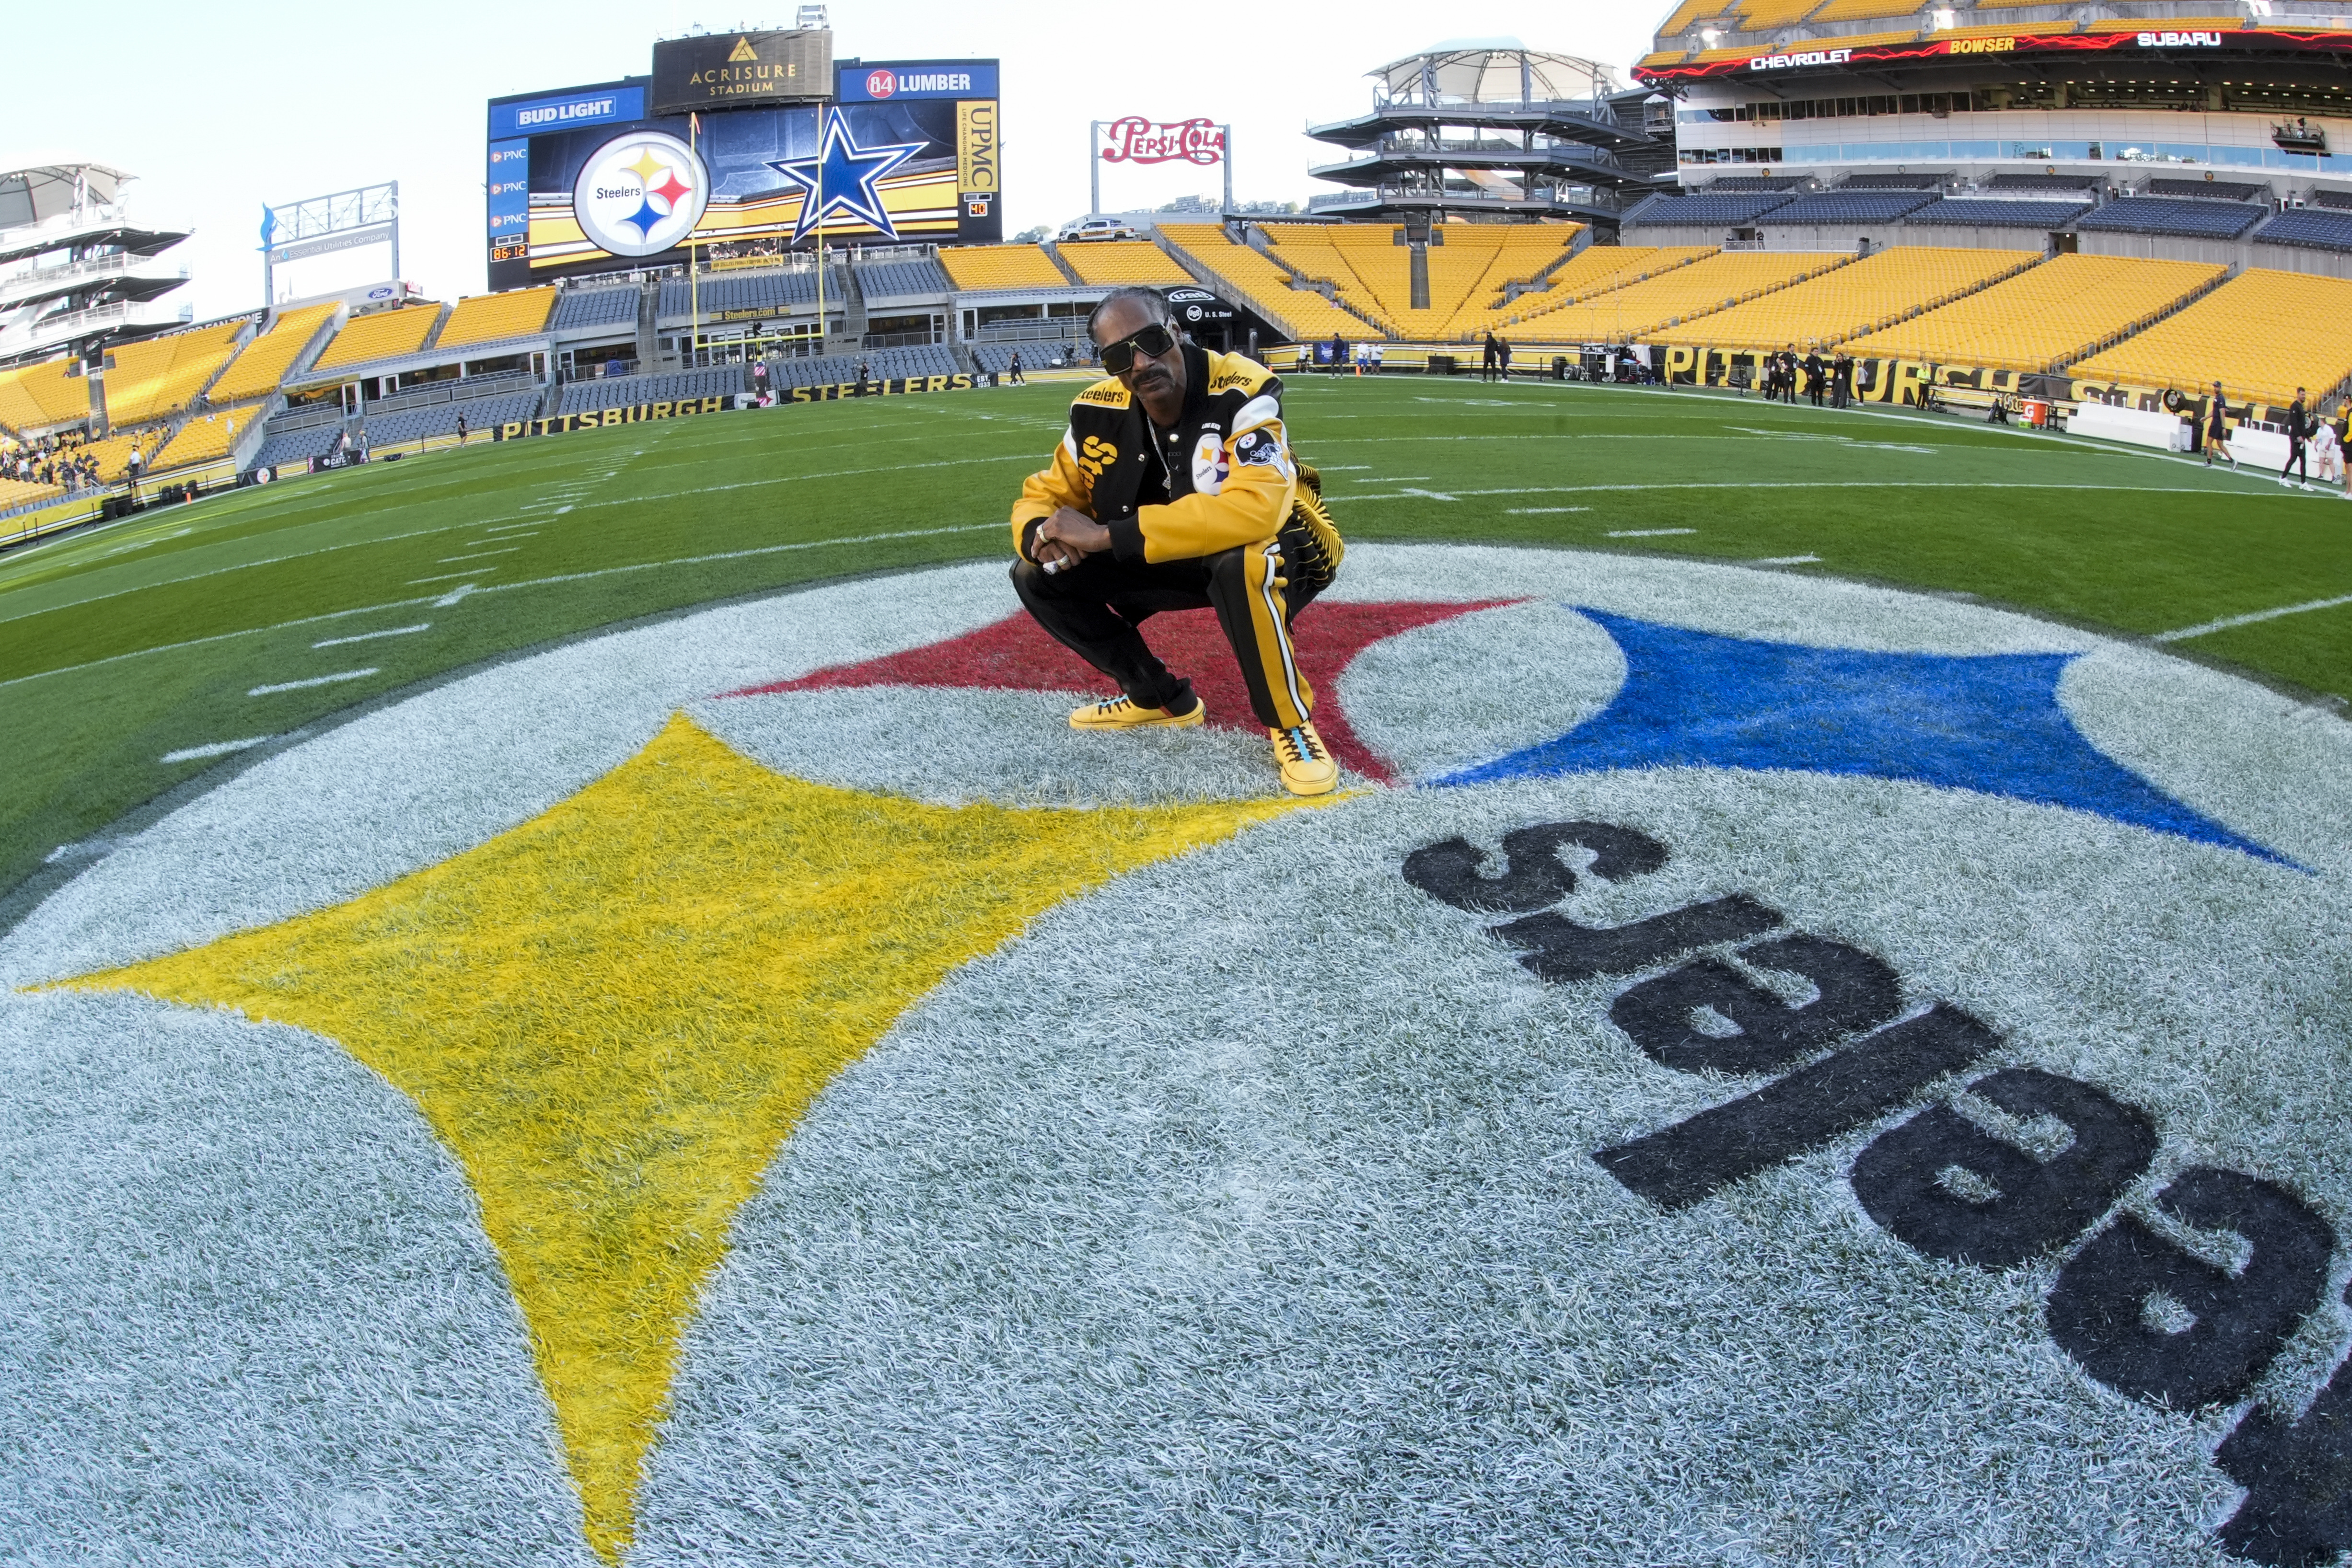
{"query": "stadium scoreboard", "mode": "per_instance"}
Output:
(717, 145)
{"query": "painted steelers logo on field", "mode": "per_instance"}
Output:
(1813, 1058)
(641, 193)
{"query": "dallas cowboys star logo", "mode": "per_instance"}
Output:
(842, 177)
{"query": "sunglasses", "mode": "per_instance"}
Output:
(1152, 343)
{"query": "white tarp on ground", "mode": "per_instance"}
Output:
(2164, 432)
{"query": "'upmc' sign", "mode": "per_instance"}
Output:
(594, 106)
(880, 81)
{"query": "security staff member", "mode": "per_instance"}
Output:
(1173, 489)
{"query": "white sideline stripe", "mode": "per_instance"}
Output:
(218, 749)
(1627, 533)
(1787, 485)
(477, 555)
(496, 588)
(1784, 560)
(372, 636)
(334, 679)
(451, 576)
(1027, 457)
(2248, 620)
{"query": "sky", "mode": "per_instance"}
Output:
(222, 108)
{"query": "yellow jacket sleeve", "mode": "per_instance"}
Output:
(1064, 482)
(1261, 481)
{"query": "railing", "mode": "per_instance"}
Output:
(1033, 329)
(903, 339)
(309, 417)
(1324, 201)
(97, 266)
(457, 390)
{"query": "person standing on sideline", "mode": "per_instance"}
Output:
(1842, 380)
(1494, 353)
(1502, 357)
(2217, 429)
(1013, 375)
(2298, 432)
(461, 430)
(1814, 371)
(1338, 355)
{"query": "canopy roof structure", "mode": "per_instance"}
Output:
(1493, 70)
(29, 195)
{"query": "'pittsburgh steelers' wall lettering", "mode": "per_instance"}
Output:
(1902, 1178)
(2101, 1308)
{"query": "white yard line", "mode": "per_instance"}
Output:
(372, 636)
(218, 749)
(2248, 620)
(477, 555)
(1548, 511)
(335, 679)
(1029, 457)
(1784, 560)
(450, 576)
(499, 588)
(1624, 533)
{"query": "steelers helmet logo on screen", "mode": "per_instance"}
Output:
(641, 193)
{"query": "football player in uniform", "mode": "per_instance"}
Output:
(1175, 488)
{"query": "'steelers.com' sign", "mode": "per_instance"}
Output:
(740, 70)
(1135, 139)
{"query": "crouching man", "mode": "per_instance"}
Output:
(1175, 489)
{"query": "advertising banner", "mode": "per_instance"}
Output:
(614, 103)
(1135, 139)
(741, 70)
(2025, 40)
(687, 408)
(877, 81)
(908, 169)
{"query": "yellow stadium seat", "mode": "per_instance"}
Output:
(492, 318)
(1121, 261)
(382, 336)
(15, 493)
(1690, 12)
(984, 267)
(1666, 299)
(159, 376)
(38, 397)
(1599, 269)
(207, 437)
(2177, 25)
(2045, 315)
(1851, 301)
(258, 371)
(1249, 279)
(1864, 10)
(2261, 334)
(1763, 16)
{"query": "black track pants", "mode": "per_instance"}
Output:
(1094, 609)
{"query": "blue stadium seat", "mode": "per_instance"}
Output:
(1851, 207)
(2309, 228)
(594, 307)
(1704, 211)
(2158, 216)
(1977, 213)
(1037, 356)
(627, 392)
(881, 365)
(895, 279)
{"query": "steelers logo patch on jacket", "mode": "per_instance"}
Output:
(1261, 448)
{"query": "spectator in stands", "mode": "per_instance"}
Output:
(2298, 432)
(1013, 376)
(1494, 357)
(2217, 429)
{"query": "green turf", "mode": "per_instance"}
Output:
(105, 664)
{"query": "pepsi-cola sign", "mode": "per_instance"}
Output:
(1135, 139)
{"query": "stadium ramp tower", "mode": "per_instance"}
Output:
(78, 270)
(1489, 129)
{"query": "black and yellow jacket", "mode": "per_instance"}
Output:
(1223, 477)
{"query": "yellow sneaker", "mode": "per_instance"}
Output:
(1120, 713)
(1307, 766)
